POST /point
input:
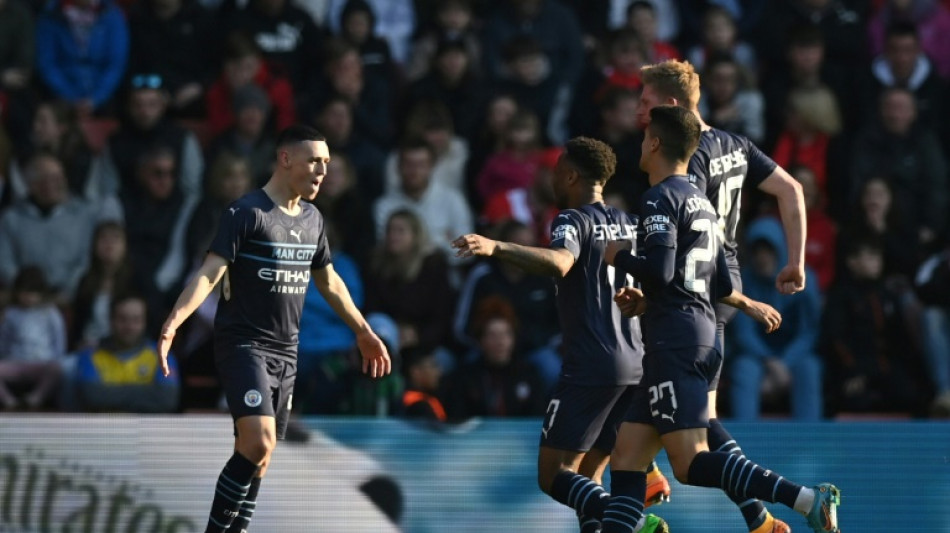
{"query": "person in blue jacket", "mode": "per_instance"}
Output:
(787, 358)
(82, 47)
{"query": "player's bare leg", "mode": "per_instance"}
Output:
(236, 491)
(257, 437)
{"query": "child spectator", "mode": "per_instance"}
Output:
(872, 364)
(770, 365)
(124, 373)
(32, 344)
(423, 380)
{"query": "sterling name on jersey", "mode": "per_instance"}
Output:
(676, 214)
(271, 255)
(599, 346)
(722, 164)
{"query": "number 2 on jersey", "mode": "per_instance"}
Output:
(697, 255)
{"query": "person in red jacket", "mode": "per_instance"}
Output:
(244, 65)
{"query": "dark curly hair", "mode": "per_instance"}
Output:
(594, 160)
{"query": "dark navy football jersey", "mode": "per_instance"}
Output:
(676, 214)
(599, 346)
(722, 164)
(271, 255)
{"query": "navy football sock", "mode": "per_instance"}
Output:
(628, 489)
(230, 492)
(720, 440)
(246, 513)
(741, 478)
(579, 493)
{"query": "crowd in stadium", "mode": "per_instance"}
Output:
(127, 127)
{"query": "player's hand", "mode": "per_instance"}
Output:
(631, 302)
(764, 314)
(164, 345)
(376, 362)
(473, 244)
(613, 248)
(790, 280)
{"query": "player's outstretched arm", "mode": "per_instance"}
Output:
(791, 205)
(376, 360)
(555, 262)
(191, 297)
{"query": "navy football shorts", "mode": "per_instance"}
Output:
(256, 384)
(579, 418)
(674, 392)
(724, 315)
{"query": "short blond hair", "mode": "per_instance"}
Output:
(818, 107)
(673, 79)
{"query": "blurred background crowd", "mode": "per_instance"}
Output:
(128, 126)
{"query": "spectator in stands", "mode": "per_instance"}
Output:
(325, 341)
(341, 203)
(56, 131)
(876, 216)
(810, 137)
(531, 297)
(488, 139)
(244, 66)
(342, 76)
(287, 36)
(444, 211)
(32, 344)
(357, 27)
(395, 21)
(50, 229)
(765, 366)
(532, 82)
(453, 24)
(720, 37)
(908, 154)
(821, 241)
(903, 64)
(932, 20)
(872, 364)
(335, 120)
(82, 50)
(619, 128)
(533, 206)
(423, 375)
(550, 23)
(158, 219)
(806, 68)
(643, 18)
(496, 380)
(515, 166)
(432, 122)
(145, 126)
(178, 40)
(124, 373)
(730, 100)
(453, 82)
(17, 58)
(933, 289)
(109, 273)
(249, 137)
(230, 178)
(404, 266)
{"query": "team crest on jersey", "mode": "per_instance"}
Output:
(253, 398)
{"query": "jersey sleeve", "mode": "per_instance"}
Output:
(698, 169)
(658, 221)
(760, 166)
(322, 256)
(234, 228)
(566, 232)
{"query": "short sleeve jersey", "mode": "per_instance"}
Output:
(271, 254)
(600, 347)
(723, 164)
(676, 214)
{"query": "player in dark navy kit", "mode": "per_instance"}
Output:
(601, 349)
(682, 268)
(268, 247)
(721, 166)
